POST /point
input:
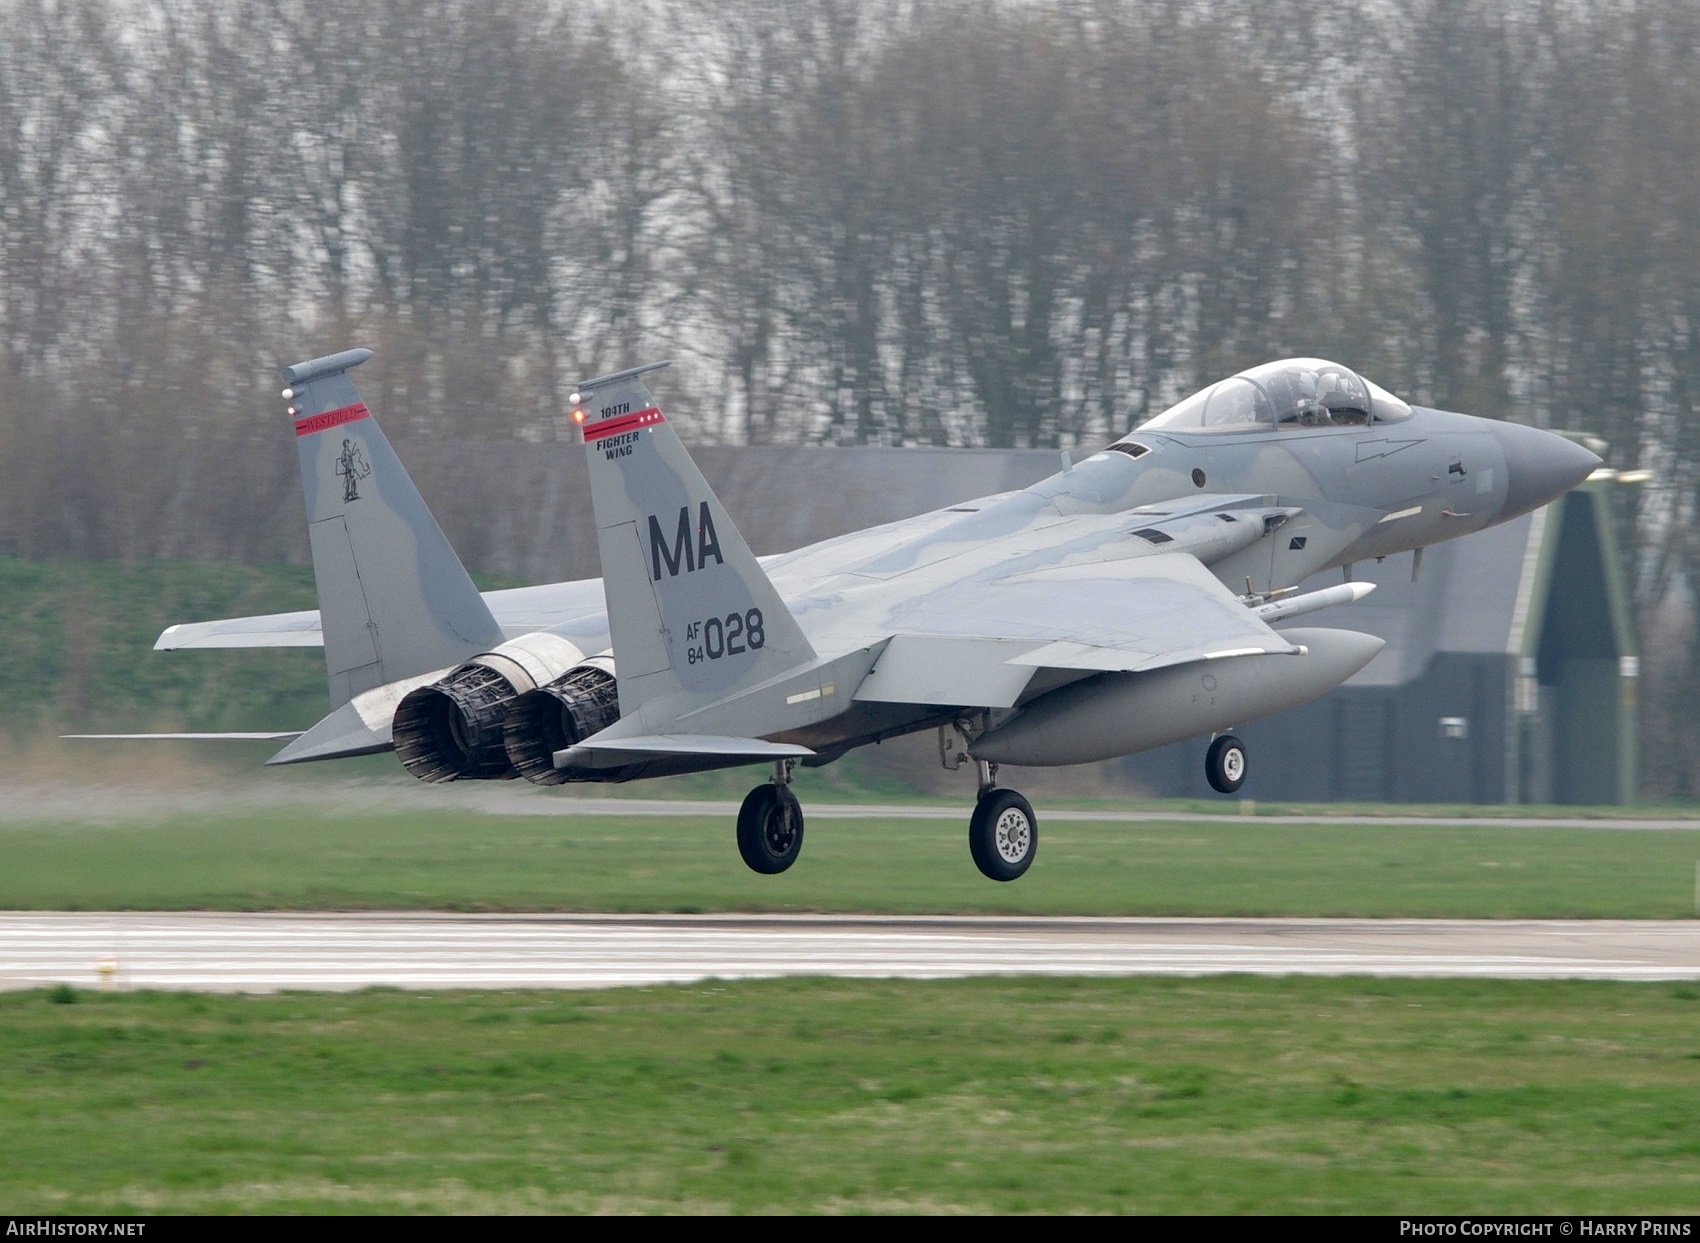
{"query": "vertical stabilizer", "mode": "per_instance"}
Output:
(693, 616)
(394, 600)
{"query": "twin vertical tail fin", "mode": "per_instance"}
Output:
(694, 618)
(394, 600)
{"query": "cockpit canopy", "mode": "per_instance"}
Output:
(1295, 392)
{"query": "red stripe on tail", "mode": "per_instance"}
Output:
(332, 418)
(624, 423)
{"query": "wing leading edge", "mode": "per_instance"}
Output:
(270, 630)
(983, 645)
(517, 610)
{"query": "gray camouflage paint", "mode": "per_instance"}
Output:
(394, 600)
(1054, 606)
(686, 596)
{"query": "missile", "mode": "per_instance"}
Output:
(1298, 606)
(1121, 713)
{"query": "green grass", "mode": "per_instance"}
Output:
(1230, 1095)
(78, 655)
(1673, 810)
(79, 637)
(294, 858)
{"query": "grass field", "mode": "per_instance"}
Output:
(1231, 1095)
(79, 638)
(306, 858)
(1225, 1095)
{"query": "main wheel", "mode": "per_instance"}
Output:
(1003, 835)
(1224, 764)
(770, 829)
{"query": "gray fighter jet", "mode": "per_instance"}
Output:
(1121, 604)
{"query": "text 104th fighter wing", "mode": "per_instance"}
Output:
(1121, 605)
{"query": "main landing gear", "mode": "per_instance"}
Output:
(770, 824)
(1003, 833)
(1224, 764)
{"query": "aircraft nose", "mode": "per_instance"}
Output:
(1539, 466)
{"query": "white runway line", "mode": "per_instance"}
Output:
(268, 952)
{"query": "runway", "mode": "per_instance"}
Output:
(22, 803)
(1245, 814)
(269, 952)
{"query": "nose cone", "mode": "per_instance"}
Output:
(1539, 466)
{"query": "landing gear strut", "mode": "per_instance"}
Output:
(1224, 764)
(770, 824)
(1003, 834)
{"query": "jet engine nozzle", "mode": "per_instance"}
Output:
(581, 702)
(452, 729)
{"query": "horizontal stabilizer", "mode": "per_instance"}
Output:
(707, 745)
(272, 630)
(359, 727)
(518, 610)
(278, 736)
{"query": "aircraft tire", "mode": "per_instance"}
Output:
(1003, 835)
(770, 829)
(1225, 764)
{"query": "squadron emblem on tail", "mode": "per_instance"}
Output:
(351, 468)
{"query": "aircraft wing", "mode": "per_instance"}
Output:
(518, 610)
(981, 642)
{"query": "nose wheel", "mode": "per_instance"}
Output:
(1225, 764)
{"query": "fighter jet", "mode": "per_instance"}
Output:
(1121, 604)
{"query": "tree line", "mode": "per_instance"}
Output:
(931, 222)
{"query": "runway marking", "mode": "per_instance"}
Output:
(268, 952)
